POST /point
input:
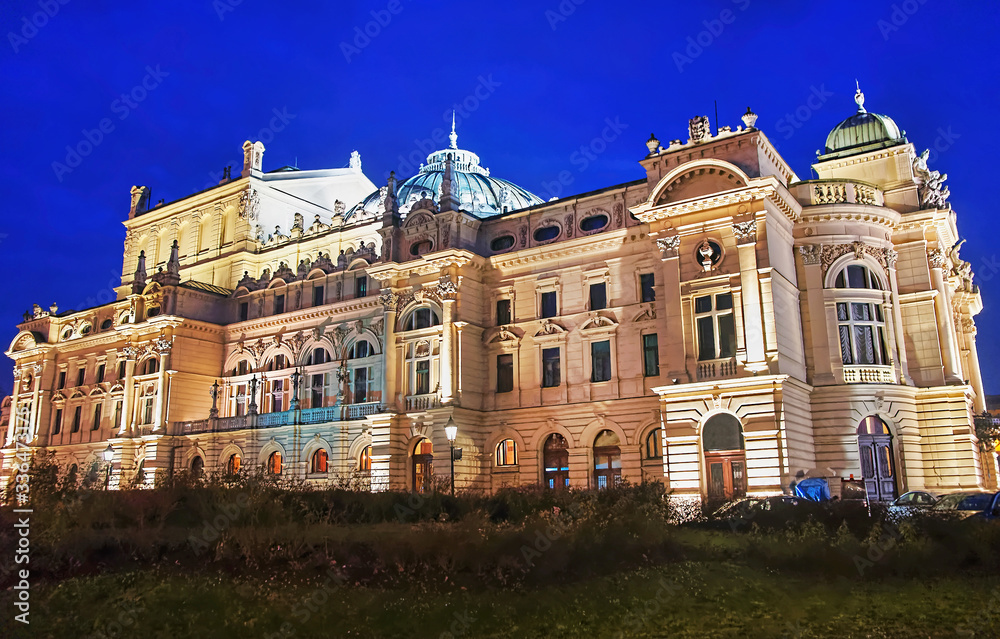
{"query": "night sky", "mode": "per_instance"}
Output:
(101, 96)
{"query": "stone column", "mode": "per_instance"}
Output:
(816, 312)
(673, 346)
(753, 318)
(975, 374)
(161, 346)
(128, 395)
(388, 300)
(897, 319)
(34, 423)
(447, 291)
(946, 324)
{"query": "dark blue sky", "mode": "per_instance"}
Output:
(178, 87)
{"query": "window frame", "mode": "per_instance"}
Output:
(716, 317)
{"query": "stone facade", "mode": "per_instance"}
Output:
(718, 325)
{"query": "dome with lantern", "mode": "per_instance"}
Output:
(862, 132)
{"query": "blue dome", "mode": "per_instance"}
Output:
(476, 190)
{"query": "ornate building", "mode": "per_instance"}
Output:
(718, 324)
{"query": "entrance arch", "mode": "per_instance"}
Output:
(423, 466)
(555, 454)
(878, 459)
(607, 460)
(725, 457)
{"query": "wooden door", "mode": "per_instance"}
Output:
(727, 475)
(878, 467)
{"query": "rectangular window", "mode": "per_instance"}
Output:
(550, 367)
(646, 291)
(97, 418)
(549, 304)
(277, 396)
(76, 419)
(57, 422)
(598, 296)
(241, 400)
(505, 373)
(716, 326)
(121, 369)
(118, 415)
(100, 374)
(279, 304)
(244, 311)
(316, 392)
(318, 296)
(360, 385)
(62, 379)
(361, 286)
(423, 377)
(503, 312)
(650, 356)
(147, 413)
(600, 361)
(81, 376)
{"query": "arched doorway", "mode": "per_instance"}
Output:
(197, 466)
(725, 460)
(607, 460)
(878, 465)
(423, 466)
(556, 459)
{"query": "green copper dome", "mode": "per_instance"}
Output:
(862, 132)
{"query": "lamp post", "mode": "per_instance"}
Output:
(109, 455)
(451, 430)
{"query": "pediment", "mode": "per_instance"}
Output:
(699, 182)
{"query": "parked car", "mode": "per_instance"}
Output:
(967, 504)
(912, 503)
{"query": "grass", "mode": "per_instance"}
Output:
(688, 599)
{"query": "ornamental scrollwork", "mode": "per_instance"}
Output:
(447, 289)
(669, 246)
(936, 258)
(810, 254)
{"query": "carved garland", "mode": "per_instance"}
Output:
(832, 252)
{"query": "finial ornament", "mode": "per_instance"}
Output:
(749, 118)
(453, 137)
(859, 98)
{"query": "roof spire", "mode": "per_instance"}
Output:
(859, 97)
(453, 136)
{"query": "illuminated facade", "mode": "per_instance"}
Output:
(718, 324)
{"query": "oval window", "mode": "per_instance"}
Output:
(106, 324)
(419, 248)
(546, 233)
(85, 330)
(593, 223)
(502, 243)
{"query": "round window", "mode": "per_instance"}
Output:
(593, 223)
(546, 233)
(502, 243)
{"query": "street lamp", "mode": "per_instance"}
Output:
(109, 455)
(451, 430)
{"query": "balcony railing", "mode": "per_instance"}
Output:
(869, 375)
(318, 415)
(717, 369)
(422, 402)
(814, 192)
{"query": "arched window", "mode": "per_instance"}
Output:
(506, 453)
(857, 276)
(365, 460)
(274, 463)
(556, 459)
(242, 367)
(423, 466)
(861, 322)
(654, 449)
(150, 366)
(277, 363)
(233, 464)
(318, 464)
(361, 348)
(607, 460)
(198, 466)
(319, 355)
(424, 317)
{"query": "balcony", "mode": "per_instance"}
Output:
(869, 375)
(307, 416)
(422, 402)
(717, 369)
(817, 192)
